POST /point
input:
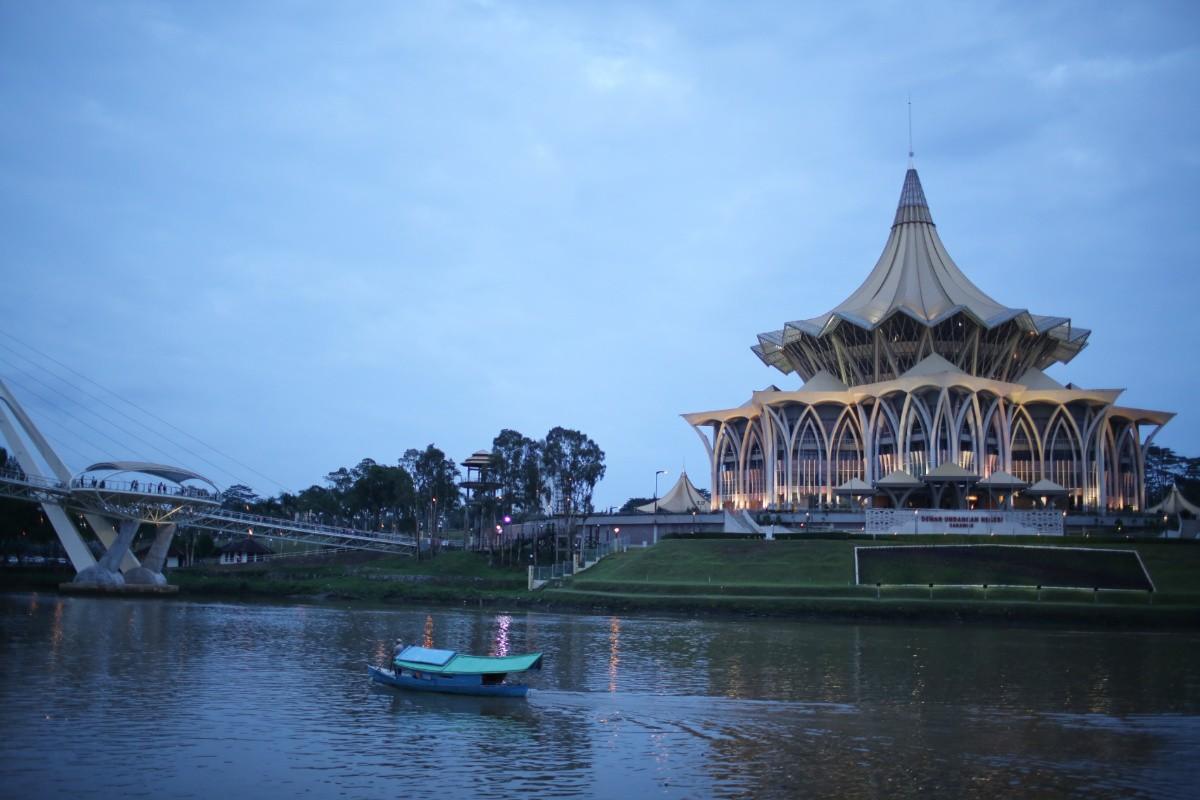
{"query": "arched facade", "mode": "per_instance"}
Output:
(800, 446)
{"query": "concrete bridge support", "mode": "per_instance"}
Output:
(106, 571)
(150, 572)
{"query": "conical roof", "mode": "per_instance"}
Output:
(855, 486)
(915, 279)
(681, 499)
(914, 275)
(1002, 480)
(948, 471)
(1174, 503)
(898, 479)
(1047, 487)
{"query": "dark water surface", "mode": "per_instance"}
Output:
(151, 698)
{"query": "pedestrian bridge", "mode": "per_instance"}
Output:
(118, 498)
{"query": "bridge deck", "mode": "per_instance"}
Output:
(191, 510)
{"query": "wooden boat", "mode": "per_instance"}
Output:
(427, 670)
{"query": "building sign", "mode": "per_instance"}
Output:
(977, 523)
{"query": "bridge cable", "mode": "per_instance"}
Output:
(144, 411)
(52, 405)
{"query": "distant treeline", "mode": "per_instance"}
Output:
(555, 474)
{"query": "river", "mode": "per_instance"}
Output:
(179, 699)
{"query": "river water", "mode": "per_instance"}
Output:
(163, 699)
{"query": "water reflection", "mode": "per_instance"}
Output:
(614, 652)
(500, 642)
(275, 701)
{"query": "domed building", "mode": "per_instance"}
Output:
(921, 391)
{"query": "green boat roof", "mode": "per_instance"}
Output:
(449, 662)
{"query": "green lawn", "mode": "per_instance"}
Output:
(730, 561)
(761, 566)
(992, 565)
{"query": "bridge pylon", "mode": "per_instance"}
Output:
(14, 422)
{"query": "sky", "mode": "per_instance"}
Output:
(308, 233)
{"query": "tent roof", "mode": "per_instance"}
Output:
(1174, 503)
(682, 498)
(1002, 480)
(855, 486)
(1034, 378)
(932, 364)
(897, 479)
(916, 277)
(823, 382)
(949, 471)
(1047, 487)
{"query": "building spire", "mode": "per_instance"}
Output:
(910, 147)
(912, 207)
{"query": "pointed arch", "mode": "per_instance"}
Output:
(1124, 470)
(916, 427)
(1025, 450)
(885, 443)
(993, 443)
(846, 450)
(967, 433)
(808, 457)
(752, 468)
(728, 457)
(1062, 454)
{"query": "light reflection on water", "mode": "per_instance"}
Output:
(106, 697)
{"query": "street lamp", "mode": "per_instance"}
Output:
(656, 474)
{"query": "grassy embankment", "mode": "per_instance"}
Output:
(817, 577)
(808, 577)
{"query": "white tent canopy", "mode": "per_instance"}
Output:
(1174, 503)
(681, 499)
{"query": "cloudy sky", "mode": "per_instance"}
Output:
(311, 233)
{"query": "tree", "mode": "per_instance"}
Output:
(631, 505)
(573, 464)
(386, 494)
(436, 481)
(517, 460)
(320, 501)
(238, 497)
(1165, 467)
(359, 471)
(340, 479)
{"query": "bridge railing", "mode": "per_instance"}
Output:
(149, 488)
(15, 475)
(280, 523)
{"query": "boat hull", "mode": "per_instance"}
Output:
(447, 684)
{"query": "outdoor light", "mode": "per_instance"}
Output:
(507, 519)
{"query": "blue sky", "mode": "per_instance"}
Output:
(309, 233)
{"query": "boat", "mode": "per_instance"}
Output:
(425, 669)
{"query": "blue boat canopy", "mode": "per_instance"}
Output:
(451, 662)
(426, 655)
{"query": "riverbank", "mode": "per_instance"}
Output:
(809, 578)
